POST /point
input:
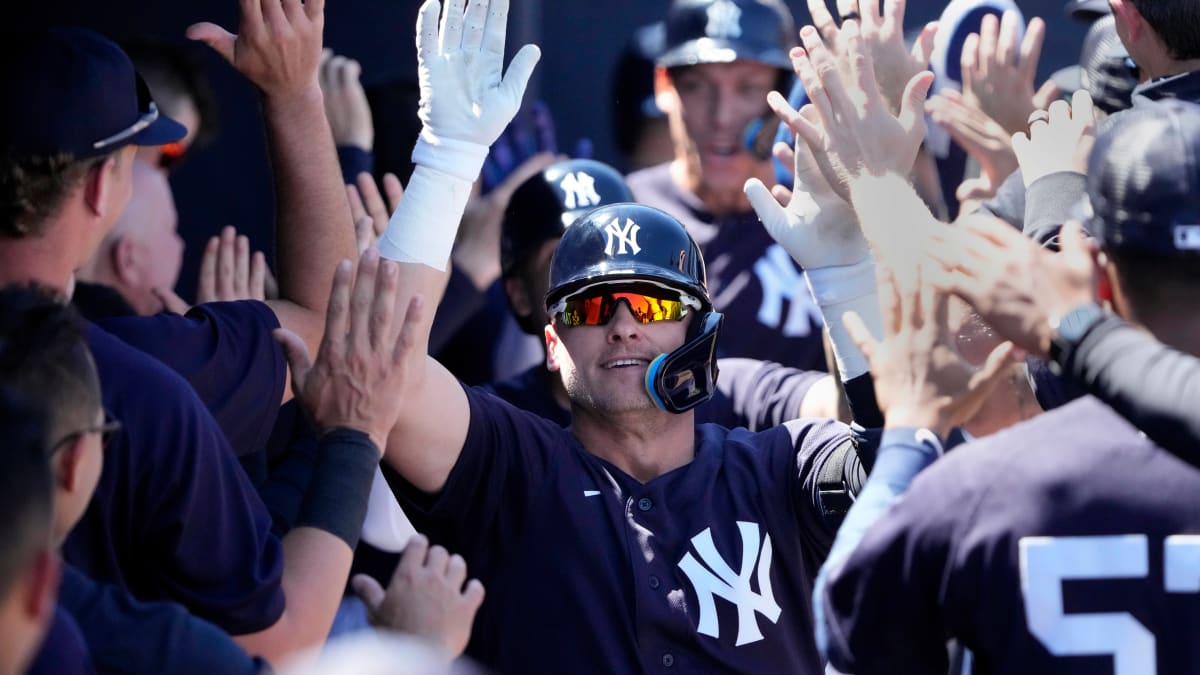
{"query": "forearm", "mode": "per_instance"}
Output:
(1049, 201)
(319, 550)
(314, 230)
(1146, 382)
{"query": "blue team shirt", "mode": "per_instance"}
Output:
(1046, 548)
(707, 568)
(63, 650)
(770, 314)
(226, 352)
(174, 516)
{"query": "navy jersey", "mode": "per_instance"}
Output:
(1067, 544)
(174, 516)
(63, 650)
(769, 312)
(704, 569)
(752, 394)
(226, 352)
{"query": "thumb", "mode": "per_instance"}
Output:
(912, 105)
(766, 207)
(170, 301)
(296, 353)
(520, 70)
(1046, 95)
(214, 36)
(369, 590)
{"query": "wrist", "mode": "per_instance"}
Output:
(294, 102)
(461, 159)
(1069, 329)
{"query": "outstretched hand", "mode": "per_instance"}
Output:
(368, 209)
(346, 104)
(998, 70)
(463, 96)
(361, 370)
(426, 596)
(1062, 141)
(1016, 286)
(920, 378)
(277, 46)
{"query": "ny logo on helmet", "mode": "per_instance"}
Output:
(724, 20)
(622, 235)
(716, 578)
(580, 190)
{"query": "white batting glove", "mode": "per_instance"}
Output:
(465, 102)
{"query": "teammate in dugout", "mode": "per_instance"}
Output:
(616, 539)
(1087, 551)
(720, 59)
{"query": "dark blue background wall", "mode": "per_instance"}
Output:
(228, 182)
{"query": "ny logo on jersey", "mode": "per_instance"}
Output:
(781, 280)
(623, 235)
(724, 20)
(718, 579)
(580, 190)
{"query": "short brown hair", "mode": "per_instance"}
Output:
(33, 189)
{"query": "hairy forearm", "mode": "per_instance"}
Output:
(314, 228)
(892, 216)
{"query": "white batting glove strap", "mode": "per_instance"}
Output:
(424, 226)
(460, 159)
(842, 289)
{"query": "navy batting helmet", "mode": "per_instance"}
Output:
(631, 244)
(543, 206)
(1144, 180)
(721, 31)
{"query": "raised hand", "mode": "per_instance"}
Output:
(346, 103)
(277, 46)
(426, 596)
(920, 379)
(857, 133)
(368, 209)
(982, 137)
(1016, 286)
(998, 71)
(463, 96)
(361, 370)
(229, 272)
(1061, 140)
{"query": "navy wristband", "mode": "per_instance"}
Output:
(336, 501)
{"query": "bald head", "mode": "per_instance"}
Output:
(142, 252)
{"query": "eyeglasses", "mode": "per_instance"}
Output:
(171, 154)
(597, 307)
(108, 430)
(149, 114)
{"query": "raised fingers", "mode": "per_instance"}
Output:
(497, 27)
(988, 35)
(337, 316)
(1006, 45)
(226, 263)
(822, 20)
(452, 26)
(384, 307)
(427, 31)
(407, 327)
(474, 24)
(1031, 48)
(361, 301)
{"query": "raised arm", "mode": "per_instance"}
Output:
(465, 105)
(278, 49)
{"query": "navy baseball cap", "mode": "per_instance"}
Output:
(1144, 180)
(722, 31)
(71, 90)
(1103, 69)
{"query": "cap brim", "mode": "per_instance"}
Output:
(160, 132)
(1087, 9)
(708, 50)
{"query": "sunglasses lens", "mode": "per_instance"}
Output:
(598, 310)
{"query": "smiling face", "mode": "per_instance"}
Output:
(709, 106)
(604, 367)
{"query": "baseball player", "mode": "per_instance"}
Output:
(1064, 544)
(635, 540)
(750, 393)
(721, 58)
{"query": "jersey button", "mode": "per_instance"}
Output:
(668, 660)
(654, 583)
(645, 504)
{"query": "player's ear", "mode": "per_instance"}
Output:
(518, 297)
(665, 96)
(124, 260)
(552, 345)
(1105, 280)
(67, 462)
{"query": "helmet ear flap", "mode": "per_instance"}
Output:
(687, 377)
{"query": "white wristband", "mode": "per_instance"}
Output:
(839, 290)
(386, 526)
(461, 159)
(425, 225)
